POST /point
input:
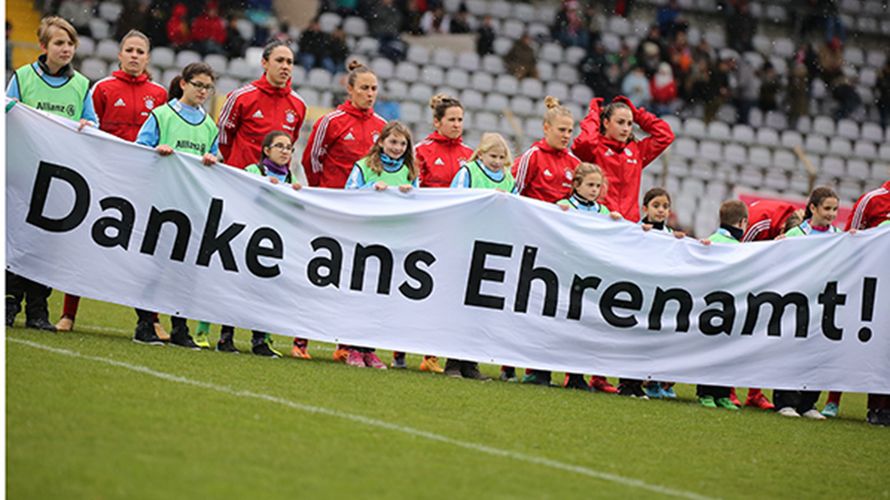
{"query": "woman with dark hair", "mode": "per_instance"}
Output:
(442, 153)
(180, 125)
(123, 101)
(262, 106)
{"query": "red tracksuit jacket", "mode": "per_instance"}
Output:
(871, 209)
(338, 140)
(123, 102)
(438, 159)
(766, 219)
(250, 113)
(622, 163)
(545, 173)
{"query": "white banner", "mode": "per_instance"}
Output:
(476, 275)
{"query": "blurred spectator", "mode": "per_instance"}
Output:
(486, 36)
(831, 60)
(740, 25)
(680, 54)
(882, 94)
(178, 28)
(698, 87)
(346, 7)
(209, 31)
(592, 17)
(338, 50)
(844, 93)
(663, 89)
(747, 89)
(135, 15)
(798, 93)
(411, 14)
(386, 23)
(624, 60)
(78, 13)
(834, 26)
(636, 87)
(521, 60)
(283, 33)
(594, 69)
(569, 26)
(460, 23)
(435, 21)
(667, 17)
(235, 43)
(770, 87)
(720, 90)
(156, 25)
(313, 46)
(651, 51)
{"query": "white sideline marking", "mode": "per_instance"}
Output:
(319, 410)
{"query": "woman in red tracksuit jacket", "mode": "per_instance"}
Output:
(607, 140)
(442, 153)
(767, 219)
(346, 134)
(338, 140)
(544, 172)
(263, 106)
(123, 101)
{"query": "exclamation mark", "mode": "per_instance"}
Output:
(869, 287)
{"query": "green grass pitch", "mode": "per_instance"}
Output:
(90, 414)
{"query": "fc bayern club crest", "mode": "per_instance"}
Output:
(375, 136)
(569, 175)
(289, 116)
(149, 103)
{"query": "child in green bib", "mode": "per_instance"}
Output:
(389, 163)
(486, 168)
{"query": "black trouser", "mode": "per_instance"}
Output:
(19, 288)
(227, 333)
(879, 401)
(801, 401)
(149, 317)
(714, 391)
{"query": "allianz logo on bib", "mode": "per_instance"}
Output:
(67, 109)
(186, 144)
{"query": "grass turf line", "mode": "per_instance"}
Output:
(77, 428)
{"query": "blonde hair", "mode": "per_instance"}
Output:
(44, 34)
(583, 170)
(489, 141)
(134, 34)
(373, 157)
(554, 109)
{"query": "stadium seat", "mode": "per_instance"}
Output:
(186, 57)
(355, 26)
(496, 103)
(110, 11)
(457, 78)
(513, 29)
(94, 69)
(854, 55)
(99, 28)
(319, 79)
(163, 57)
(107, 49)
(522, 106)
(865, 150)
(367, 46)
(743, 134)
(760, 156)
(420, 92)
(872, 132)
(444, 58)
(558, 90)
(482, 81)
(816, 144)
(574, 55)
(876, 58)
(506, 84)
(839, 146)
(502, 45)
(407, 71)
(785, 160)
(832, 166)
(85, 48)
(219, 63)
(410, 112)
(776, 120)
(735, 154)
(328, 21)
(581, 94)
(499, 9)
(469, 61)
(710, 150)
(383, 68)
(566, 73)
(545, 70)
(226, 84)
(493, 64)
(472, 99)
(432, 75)
(551, 52)
(823, 125)
(858, 169)
(524, 12)
(685, 147)
(254, 56)
(396, 89)
(767, 137)
(848, 129)
(776, 180)
(719, 131)
(694, 127)
(418, 54)
(245, 28)
(486, 122)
